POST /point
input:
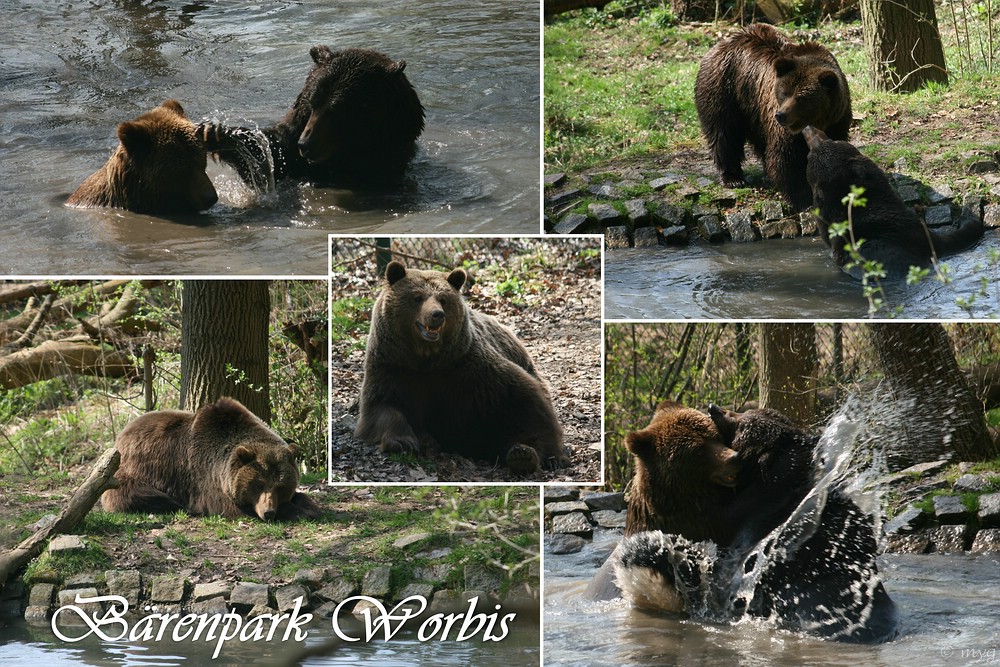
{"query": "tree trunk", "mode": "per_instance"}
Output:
(938, 415)
(788, 370)
(903, 44)
(224, 344)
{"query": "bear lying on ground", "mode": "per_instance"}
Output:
(220, 460)
(355, 123)
(158, 167)
(758, 87)
(435, 368)
(800, 555)
(894, 235)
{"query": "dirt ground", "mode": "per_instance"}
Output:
(558, 318)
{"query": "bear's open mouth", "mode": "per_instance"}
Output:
(429, 334)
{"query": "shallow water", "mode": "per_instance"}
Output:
(950, 616)
(73, 70)
(780, 278)
(25, 646)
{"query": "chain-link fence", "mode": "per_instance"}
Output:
(699, 363)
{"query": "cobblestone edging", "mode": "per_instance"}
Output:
(676, 209)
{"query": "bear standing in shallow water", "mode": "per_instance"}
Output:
(759, 87)
(158, 167)
(355, 123)
(436, 368)
(220, 460)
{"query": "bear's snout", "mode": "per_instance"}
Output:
(435, 320)
(782, 118)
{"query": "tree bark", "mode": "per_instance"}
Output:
(939, 417)
(224, 344)
(101, 478)
(788, 366)
(903, 44)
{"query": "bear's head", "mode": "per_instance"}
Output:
(808, 90)
(263, 477)
(833, 167)
(355, 96)
(682, 471)
(425, 307)
(158, 167)
(771, 448)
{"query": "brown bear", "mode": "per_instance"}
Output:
(158, 167)
(759, 87)
(220, 460)
(435, 368)
(684, 475)
(355, 123)
(893, 233)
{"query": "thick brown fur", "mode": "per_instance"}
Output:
(220, 460)
(355, 123)
(759, 87)
(893, 233)
(158, 167)
(684, 476)
(435, 368)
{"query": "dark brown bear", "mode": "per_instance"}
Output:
(684, 474)
(893, 233)
(220, 460)
(435, 368)
(158, 167)
(355, 122)
(758, 87)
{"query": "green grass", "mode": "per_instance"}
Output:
(349, 319)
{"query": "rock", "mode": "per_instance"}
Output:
(312, 577)
(553, 180)
(908, 521)
(987, 541)
(167, 588)
(483, 577)
(84, 580)
(425, 591)
(909, 194)
(436, 572)
(211, 590)
(554, 509)
(809, 223)
(772, 210)
(991, 216)
(326, 610)
(701, 210)
(446, 601)
(407, 540)
(41, 595)
(563, 197)
(260, 610)
(740, 226)
(571, 223)
(37, 615)
(616, 236)
(376, 582)
(989, 510)
(606, 214)
(949, 509)
(609, 518)
(646, 237)
(66, 543)
(665, 180)
(561, 544)
(974, 202)
(724, 199)
(688, 192)
(286, 596)
(637, 212)
(786, 229)
(338, 591)
(247, 594)
(210, 607)
(983, 167)
(574, 524)
(605, 191)
(605, 501)
(948, 539)
(668, 215)
(937, 216)
(676, 235)
(940, 193)
(970, 482)
(67, 596)
(924, 468)
(710, 228)
(918, 543)
(126, 583)
(558, 494)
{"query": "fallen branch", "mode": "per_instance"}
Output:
(101, 479)
(54, 358)
(553, 7)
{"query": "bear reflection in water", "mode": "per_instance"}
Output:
(782, 546)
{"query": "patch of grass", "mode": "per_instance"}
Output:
(63, 564)
(350, 319)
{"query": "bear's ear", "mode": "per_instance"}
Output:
(397, 67)
(457, 278)
(640, 443)
(293, 450)
(830, 80)
(395, 272)
(175, 107)
(245, 454)
(783, 66)
(321, 54)
(135, 137)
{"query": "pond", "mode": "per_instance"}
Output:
(74, 70)
(947, 603)
(781, 279)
